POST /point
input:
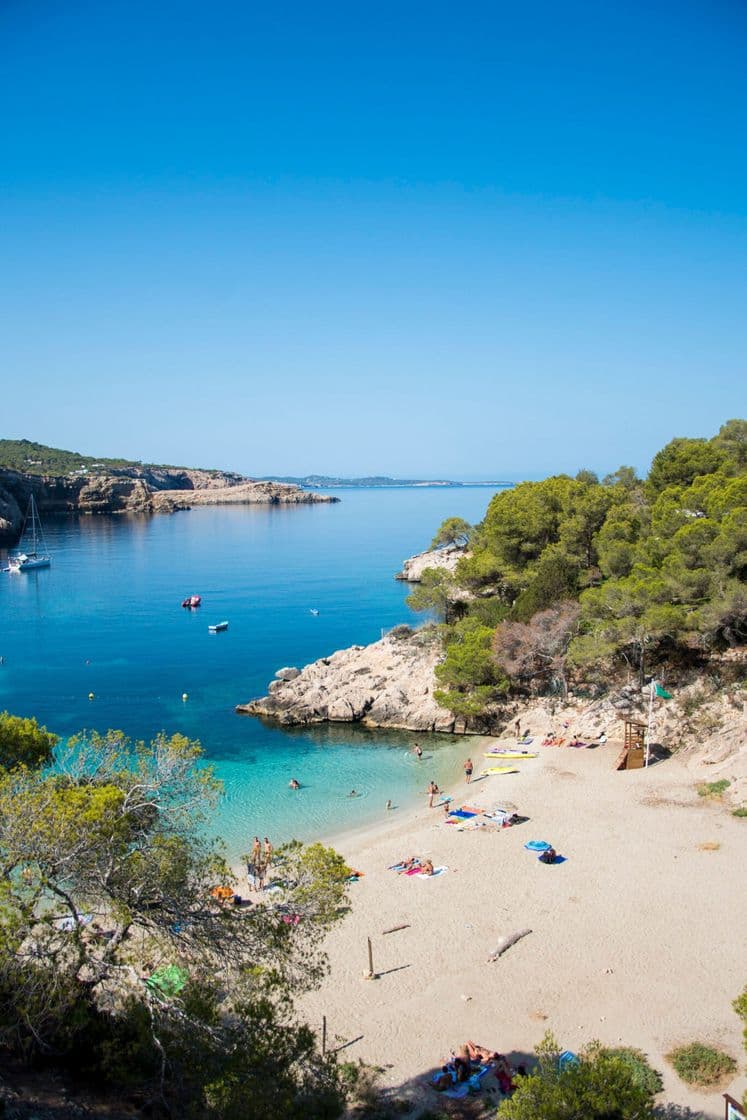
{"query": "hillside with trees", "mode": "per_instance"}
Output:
(28, 457)
(125, 961)
(592, 579)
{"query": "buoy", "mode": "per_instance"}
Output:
(185, 696)
(90, 696)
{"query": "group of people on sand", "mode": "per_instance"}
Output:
(259, 863)
(470, 1059)
(413, 865)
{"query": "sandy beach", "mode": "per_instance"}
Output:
(638, 937)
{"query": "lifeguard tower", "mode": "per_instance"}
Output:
(632, 756)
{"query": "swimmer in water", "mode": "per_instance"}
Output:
(389, 805)
(293, 784)
(352, 793)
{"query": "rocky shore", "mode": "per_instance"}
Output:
(389, 683)
(446, 558)
(135, 490)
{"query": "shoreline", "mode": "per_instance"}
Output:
(645, 861)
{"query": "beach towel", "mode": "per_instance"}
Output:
(436, 871)
(558, 859)
(525, 742)
(462, 814)
(537, 845)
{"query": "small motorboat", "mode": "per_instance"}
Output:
(192, 601)
(218, 627)
(314, 611)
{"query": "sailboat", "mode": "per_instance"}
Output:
(32, 540)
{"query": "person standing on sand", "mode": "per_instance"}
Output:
(517, 729)
(433, 790)
(256, 851)
(468, 768)
(268, 850)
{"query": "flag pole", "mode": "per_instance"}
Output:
(650, 715)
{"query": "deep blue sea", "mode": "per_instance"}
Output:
(106, 619)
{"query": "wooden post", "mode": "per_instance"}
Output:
(324, 1035)
(370, 959)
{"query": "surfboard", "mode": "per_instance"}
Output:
(501, 770)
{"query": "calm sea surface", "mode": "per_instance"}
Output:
(106, 618)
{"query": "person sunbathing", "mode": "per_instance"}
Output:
(426, 867)
(479, 1053)
(407, 864)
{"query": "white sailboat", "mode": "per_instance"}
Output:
(34, 553)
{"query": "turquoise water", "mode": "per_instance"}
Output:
(106, 618)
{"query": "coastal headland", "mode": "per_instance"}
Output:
(389, 683)
(134, 488)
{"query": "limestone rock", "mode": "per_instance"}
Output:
(448, 558)
(389, 683)
(288, 674)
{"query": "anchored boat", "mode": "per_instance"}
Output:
(33, 548)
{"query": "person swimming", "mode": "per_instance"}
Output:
(294, 784)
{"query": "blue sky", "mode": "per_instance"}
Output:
(476, 240)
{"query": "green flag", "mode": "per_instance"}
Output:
(662, 692)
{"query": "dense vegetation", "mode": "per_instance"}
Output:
(586, 576)
(121, 960)
(602, 1084)
(35, 458)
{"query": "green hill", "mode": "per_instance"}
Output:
(35, 458)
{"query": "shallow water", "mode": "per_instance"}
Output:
(106, 618)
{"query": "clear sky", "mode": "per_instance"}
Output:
(427, 239)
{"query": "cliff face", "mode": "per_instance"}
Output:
(133, 490)
(387, 684)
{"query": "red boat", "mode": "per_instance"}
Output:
(192, 601)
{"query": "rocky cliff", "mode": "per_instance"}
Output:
(387, 684)
(134, 490)
(448, 558)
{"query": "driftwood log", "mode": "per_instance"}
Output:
(506, 943)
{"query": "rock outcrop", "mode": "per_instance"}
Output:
(389, 683)
(448, 558)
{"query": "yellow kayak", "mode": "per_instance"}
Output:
(510, 754)
(501, 770)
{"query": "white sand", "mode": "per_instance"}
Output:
(638, 938)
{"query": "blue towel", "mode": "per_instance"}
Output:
(463, 814)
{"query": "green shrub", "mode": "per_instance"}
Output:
(641, 1072)
(740, 812)
(701, 1065)
(713, 789)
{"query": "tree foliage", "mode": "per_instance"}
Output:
(453, 531)
(114, 944)
(601, 1085)
(24, 743)
(656, 565)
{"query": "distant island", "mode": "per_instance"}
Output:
(325, 482)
